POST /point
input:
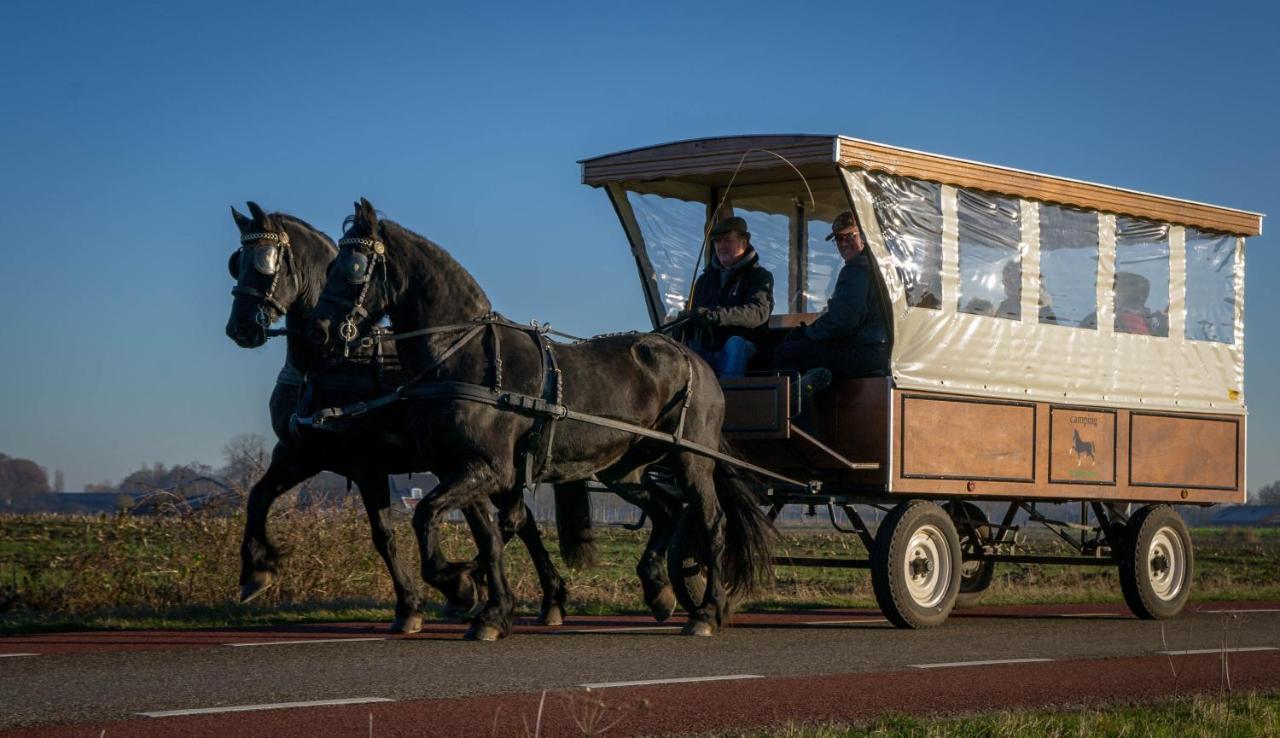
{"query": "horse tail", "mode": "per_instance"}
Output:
(748, 555)
(573, 523)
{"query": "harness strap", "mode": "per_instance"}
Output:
(517, 402)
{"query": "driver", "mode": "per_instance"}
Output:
(732, 300)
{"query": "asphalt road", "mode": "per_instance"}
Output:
(767, 668)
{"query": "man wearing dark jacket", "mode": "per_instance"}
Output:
(732, 300)
(851, 337)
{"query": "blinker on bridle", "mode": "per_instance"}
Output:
(348, 330)
(266, 298)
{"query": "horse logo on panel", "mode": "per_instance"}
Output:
(1081, 448)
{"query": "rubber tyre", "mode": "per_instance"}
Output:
(916, 595)
(687, 571)
(1157, 563)
(975, 576)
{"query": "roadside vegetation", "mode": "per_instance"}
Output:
(181, 569)
(1237, 716)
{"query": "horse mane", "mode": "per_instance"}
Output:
(450, 270)
(304, 224)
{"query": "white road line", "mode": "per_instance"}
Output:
(846, 622)
(1260, 609)
(635, 629)
(14, 655)
(1216, 650)
(680, 680)
(992, 662)
(303, 642)
(270, 706)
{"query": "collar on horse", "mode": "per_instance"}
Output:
(267, 298)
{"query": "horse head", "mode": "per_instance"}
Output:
(278, 269)
(384, 270)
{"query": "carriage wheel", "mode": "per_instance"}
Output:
(1156, 563)
(685, 567)
(975, 576)
(915, 565)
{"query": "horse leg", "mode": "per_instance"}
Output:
(652, 567)
(259, 557)
(495, 620)
(456, 580)
(376, 495)
(515, 518)
(695, 476)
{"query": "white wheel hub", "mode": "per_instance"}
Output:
(1166, 563)
(928, 566)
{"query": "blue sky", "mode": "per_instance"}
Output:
(128, 129)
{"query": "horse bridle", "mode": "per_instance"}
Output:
(266, 298)
(348, 330)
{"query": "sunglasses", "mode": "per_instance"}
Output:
(847, 236)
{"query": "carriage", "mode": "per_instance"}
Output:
(1052, 341)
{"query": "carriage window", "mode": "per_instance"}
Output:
(673, 232)
(910, 216)
(1211, 290)
(990, 255)
(1141, 286)
(1068, 266)
(823, 267)
(771, 238)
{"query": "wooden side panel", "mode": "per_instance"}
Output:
(1082, 446)
(1172, 451)
(756, 407)
(967, 439)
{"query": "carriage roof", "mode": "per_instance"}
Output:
(712, 161)
(1191, 253)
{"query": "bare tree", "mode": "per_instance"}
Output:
(1268, 495)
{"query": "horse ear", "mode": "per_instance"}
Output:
(242, 221)
(366, 213)
(259, 215)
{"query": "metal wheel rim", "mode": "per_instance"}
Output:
(927, 566)
(1166, 563)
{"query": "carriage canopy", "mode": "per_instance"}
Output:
(1002, 282)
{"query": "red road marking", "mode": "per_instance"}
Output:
(749, 703)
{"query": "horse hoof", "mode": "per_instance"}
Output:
(551, 616)
(406, 625)
(663, 605)
(479, 632)
(698, 628)
(252, 589)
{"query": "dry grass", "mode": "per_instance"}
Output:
(184, 566)
(1240, 716)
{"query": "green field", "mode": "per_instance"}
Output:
(58, 572)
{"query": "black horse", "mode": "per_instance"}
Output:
(461, 357)
(279, 270)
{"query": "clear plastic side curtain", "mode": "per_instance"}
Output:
(1042, 301)
(673, 232)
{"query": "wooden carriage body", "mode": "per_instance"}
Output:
(1057, 394)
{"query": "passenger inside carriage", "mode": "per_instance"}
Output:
(851, 337)
(732, 300)
(1132, 314)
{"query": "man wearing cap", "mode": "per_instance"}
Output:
(732, 300)
(851, 337)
